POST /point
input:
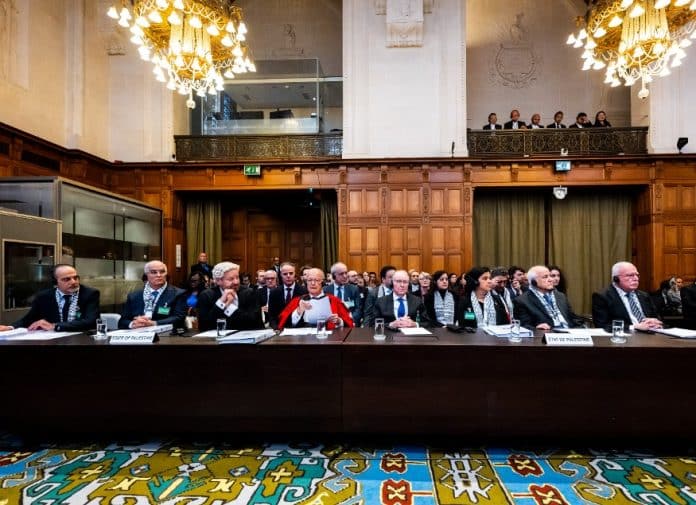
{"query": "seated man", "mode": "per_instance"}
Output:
(157, 303)
(581, 121)
(306, 310)
(66, 307)
(688, 297)
(492, 123)
(515, 123)
(623, 300)
(400, 309)
(536, 122)
(557, 120)
(202, 267)
(226, 301)
(345, 291)
(542, 306)
(279, 297)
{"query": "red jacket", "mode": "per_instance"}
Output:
(337, 307)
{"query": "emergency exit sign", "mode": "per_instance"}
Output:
(252, 170)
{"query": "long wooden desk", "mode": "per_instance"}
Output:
(453, 384)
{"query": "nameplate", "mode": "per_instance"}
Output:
(134, 339)
(568, 340)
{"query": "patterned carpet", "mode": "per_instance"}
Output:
(219, 473)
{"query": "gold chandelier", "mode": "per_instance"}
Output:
(635, 39)
(193, 44)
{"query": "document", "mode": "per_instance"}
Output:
(503, 330)
(293, 332)
(677, 332)
(213, 333)
(414, 331)
(592, 332)
(247, 337)
(24, 334)
(154, 330)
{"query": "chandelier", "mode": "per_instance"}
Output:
(635, 39)
(193, 44)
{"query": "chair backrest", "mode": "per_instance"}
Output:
(111, 320)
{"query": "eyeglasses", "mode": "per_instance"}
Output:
(634, 275)
(341, 273)
(157, 272)
(314, 280)
(401, 281)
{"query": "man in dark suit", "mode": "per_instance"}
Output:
(66, 307)
(401, 309)
(226, 301)
(492, 123)
(202, 267)
(384, 289)
(270, 279)
(515, 285)
(688, 297)
(515, 123)
(581, 121)
(542, 306)
(279, 297)
(623, 300)
(557, 120)
(344, 291)
(157, 303)
(276, 266)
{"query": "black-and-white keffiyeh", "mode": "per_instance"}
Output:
(72, 310)
(444, 307)
(485, 317)
(150, 301)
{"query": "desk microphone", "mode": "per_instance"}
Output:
(452, 150)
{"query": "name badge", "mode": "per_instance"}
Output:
(164, 311)
(148, 314)
(349, 304)
(469, 316)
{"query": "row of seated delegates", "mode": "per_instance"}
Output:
(667, 299)
(581, 121)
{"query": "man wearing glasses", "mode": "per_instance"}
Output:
(348, 293)
(623, 300)
(401, 309)
(157, 303)
(65, 307)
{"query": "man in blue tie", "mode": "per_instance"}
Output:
(157, 303)
(401, 309)
(623, 300)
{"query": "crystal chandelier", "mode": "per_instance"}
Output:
(635, 39)
(193, 44)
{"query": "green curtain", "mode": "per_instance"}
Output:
(509, 229)
(329, 229)
(204, 230)
(588, 234)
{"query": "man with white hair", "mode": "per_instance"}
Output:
(622, 300)
(157, 303)
(348, 293)
(227, 301)
(542, 306)
(401, 309)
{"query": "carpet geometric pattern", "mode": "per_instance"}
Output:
(225, 473)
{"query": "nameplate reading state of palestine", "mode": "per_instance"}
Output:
(569, 340)
(133, 339)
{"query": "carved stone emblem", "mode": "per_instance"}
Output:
(515, 63)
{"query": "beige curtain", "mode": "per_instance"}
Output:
(588, 234)
(204, 230)
(508, 229)
(329, 230)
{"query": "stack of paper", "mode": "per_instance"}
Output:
(24, 334)
(145, 330)
(247, 337)
(592, 332)
(294, 332)
(677, 332)
(414, 331)
(503, 330)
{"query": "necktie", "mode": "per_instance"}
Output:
(339, 293)
(401, 311)
(635, 307)
(549, 300)
(66, 306)
(288, 295)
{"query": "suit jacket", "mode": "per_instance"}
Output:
(369, 313)
(586, 125)
(384, 308)
(276, 302)
(607, 306)
(203, 269)
(44, 306)
(520, 124)
(337, 307)
(172, 298)
(351, 293)
(489, 127)
(246, 317)
(262, 296)
(553, 125)
(532, 312)
(688, 297)
(464, 305)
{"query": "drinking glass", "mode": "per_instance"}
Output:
(321, 328)
(379, 329)
(515, 331)
(101, 330)
(221, 327)
(617, 332)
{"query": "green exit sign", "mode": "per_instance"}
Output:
(253, 170)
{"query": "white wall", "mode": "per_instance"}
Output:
(517, 58)
(403, 101)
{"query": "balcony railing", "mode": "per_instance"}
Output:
(544, 142)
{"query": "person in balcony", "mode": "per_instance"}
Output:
(601, 121)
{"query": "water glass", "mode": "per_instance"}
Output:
(379, 329)
(617, 332)
(101, 330)
(321, 328)
(515, 331)
(221, 327)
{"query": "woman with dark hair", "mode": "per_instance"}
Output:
(440, 303)
(193, 287)
(460, 288)
(558, 279)
(452, 280)
(600, 120)
(478, 307)
(372, 280)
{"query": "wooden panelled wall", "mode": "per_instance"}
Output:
(412, 213)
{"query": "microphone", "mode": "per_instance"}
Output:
(452, 150)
